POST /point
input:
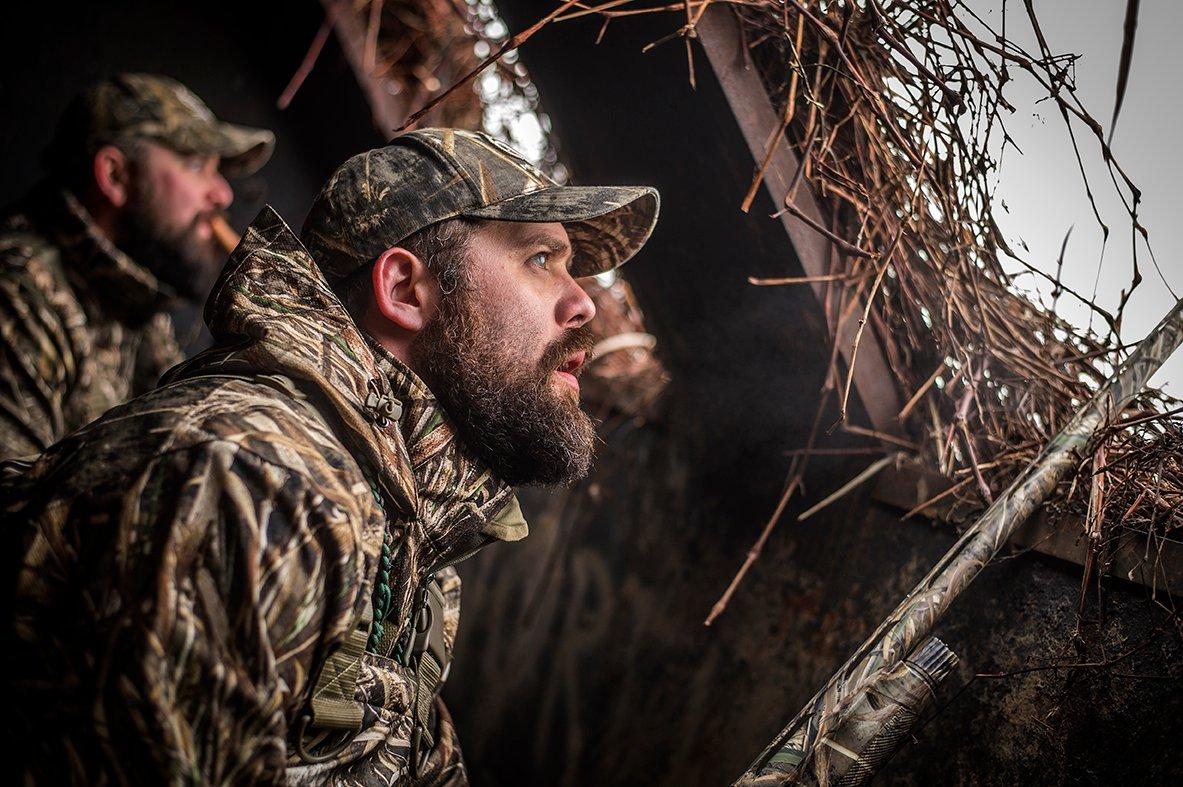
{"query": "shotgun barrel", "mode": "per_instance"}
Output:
(791, 757)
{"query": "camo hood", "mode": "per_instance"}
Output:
(272, 312)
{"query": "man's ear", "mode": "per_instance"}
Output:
(405, 292)
(112, 175)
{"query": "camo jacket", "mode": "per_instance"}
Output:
(192, 563)
(82, 325)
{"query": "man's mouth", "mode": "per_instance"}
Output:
(569, 370)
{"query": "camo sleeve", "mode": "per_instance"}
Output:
(38, 357)
(228, 579)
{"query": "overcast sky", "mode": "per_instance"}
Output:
(1043, 189)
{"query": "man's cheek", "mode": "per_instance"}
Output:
(177, 201)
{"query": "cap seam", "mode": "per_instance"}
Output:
(452, 165)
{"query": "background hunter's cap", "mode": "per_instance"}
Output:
(155, 107)
(378, 198)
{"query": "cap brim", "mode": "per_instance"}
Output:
(607, 225)
(243, 149)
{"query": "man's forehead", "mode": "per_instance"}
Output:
(161, 149)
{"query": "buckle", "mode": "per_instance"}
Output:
(301, 730)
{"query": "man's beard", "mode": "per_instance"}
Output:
(176, 256)
(505, 410)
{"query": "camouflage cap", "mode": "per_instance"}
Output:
(378, 198)
(155, 107)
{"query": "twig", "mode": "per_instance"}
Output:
(973, 462)
(936, 498)
(849, 248)
(309, 61)
(849, 486)
(932, 378)
(753, 552)
(887, 438)
(786, 118)
(862, 323)
(799, 279)
(372, 27)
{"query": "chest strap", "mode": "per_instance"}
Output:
(333, 704)
(431, 664)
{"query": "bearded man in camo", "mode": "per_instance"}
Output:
(93, 257)
(246, 576)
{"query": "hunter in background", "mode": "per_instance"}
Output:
(90, 259)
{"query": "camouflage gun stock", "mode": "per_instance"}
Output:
(796, 755)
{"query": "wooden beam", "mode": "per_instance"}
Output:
(719, 33)
(1154, 563)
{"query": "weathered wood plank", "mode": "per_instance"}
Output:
(720, 36)
(1156, 564)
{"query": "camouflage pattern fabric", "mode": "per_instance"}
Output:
(188, 562)
(82, 326)
(156, 107)
(378, 198)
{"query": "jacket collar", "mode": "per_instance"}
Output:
(96, 267)
(452, 484)
(272, 312)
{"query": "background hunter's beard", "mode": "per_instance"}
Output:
(177, 256)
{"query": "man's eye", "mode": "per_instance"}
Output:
(541, 259)
(194, 164)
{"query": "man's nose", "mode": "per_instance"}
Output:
(577, 308)
(220, 193)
